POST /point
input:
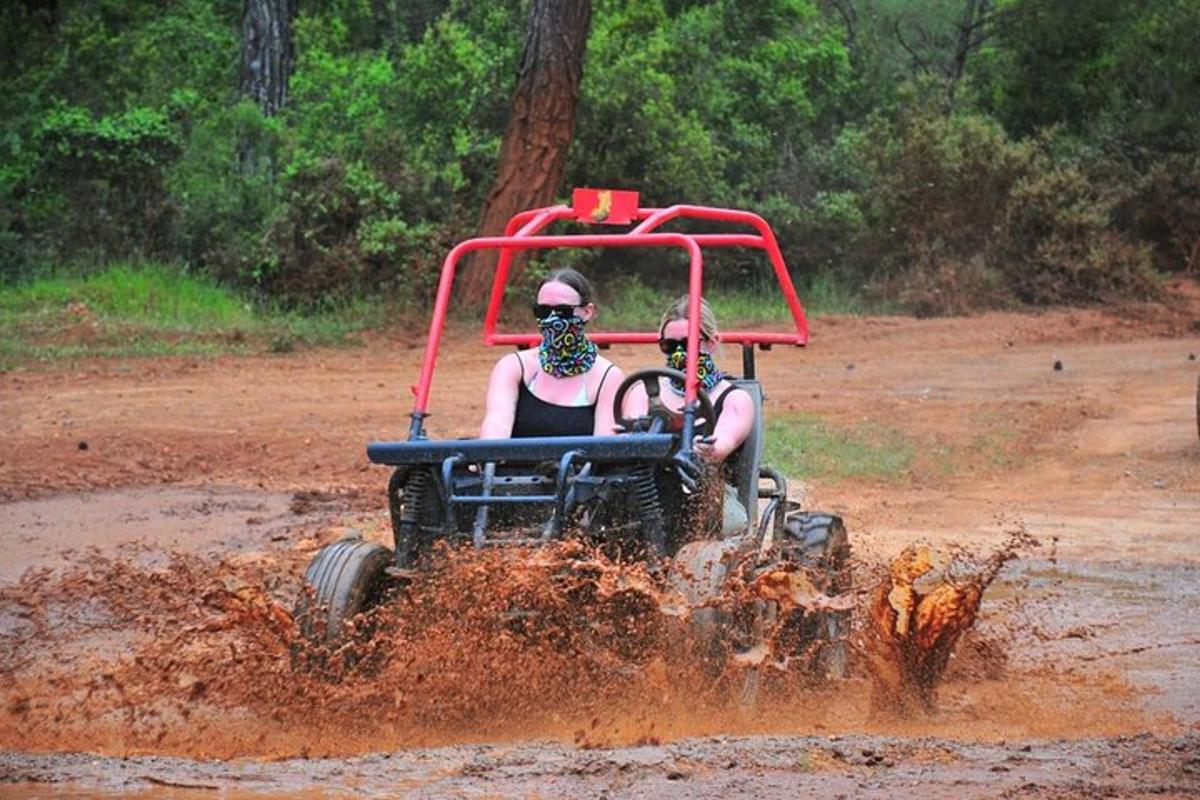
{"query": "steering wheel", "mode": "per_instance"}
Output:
(657, 409)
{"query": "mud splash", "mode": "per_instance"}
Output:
(199, 657)
(126, 658)
(918, 612)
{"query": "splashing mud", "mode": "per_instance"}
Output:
(180, 654)
(916, 615)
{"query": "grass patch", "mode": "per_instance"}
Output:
(805, 446)
(154, 310)
(636, 306)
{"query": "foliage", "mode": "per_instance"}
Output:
(1063, 169)
(708, 102)
(960, 216)
(1127, 70)
(633, 305)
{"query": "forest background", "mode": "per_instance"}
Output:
(934, 156)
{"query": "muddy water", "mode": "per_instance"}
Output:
(715, 767)
(168, 652)
(50, 531)
(156, 658)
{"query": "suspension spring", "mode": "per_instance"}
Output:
(649, 505)
(407, 495)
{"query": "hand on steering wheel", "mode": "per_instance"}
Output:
(686, 461)
(657, 410)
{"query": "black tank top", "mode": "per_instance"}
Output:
(536, 417)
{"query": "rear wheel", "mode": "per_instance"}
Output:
(343, 581)
(819, 542)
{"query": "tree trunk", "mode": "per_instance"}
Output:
(533, 154)
(268, 55)
(972, 32)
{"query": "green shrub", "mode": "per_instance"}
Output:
(226, 190)
(1058, 243)
(959, 216)
(99, 184)
(1164, 210)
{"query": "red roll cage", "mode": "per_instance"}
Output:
(613, 207)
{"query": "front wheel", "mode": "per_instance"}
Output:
(344, 580)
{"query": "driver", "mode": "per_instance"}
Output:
(733, 407)
(562, 388)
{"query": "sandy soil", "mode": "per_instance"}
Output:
(1080, 680)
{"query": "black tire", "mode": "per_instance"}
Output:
(716, 636)
(820, 543)
(342, 581)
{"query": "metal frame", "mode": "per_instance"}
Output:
(462, 466)
(524, 232)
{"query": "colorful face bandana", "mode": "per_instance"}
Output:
(565, 350)
(706, 369)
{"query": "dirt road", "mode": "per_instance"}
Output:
(1080, 679)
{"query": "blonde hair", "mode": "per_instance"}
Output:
(679, 310)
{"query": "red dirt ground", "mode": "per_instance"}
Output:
(263, 457)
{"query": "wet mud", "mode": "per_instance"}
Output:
(147, 644)
(168, 652)
(711, 767)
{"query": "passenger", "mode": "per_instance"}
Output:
(563, 387)
(722, 442)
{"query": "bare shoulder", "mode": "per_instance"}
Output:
(740, 400)
(508, 366)
(604, 365)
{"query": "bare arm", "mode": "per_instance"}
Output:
(501, 407)
(635, 403)
(733, 426)
(605, 424)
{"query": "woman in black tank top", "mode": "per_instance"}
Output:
(536, 417)
(564, 387)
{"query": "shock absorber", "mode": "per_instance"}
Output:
(407, 492)
(649, 506)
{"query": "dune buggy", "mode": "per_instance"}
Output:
(620, 491)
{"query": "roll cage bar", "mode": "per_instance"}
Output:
(611, 207)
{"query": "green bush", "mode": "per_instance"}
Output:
(1058, 243)
(98, 186)
(1071, 155)
(959, 216)
(224, 186)
(1164, 209)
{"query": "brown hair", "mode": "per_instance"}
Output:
(572, 278)
(679, 310)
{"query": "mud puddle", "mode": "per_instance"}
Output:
(1131, 620)
(200, 657)
(715, 767)
(159, 659)
(213, 521)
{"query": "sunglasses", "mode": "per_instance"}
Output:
(543, 310)
(669, 346)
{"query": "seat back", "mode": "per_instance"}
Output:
(750, 459)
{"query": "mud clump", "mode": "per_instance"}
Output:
(916, 615)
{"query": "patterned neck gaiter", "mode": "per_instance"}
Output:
(565, 350)
(706, 369)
